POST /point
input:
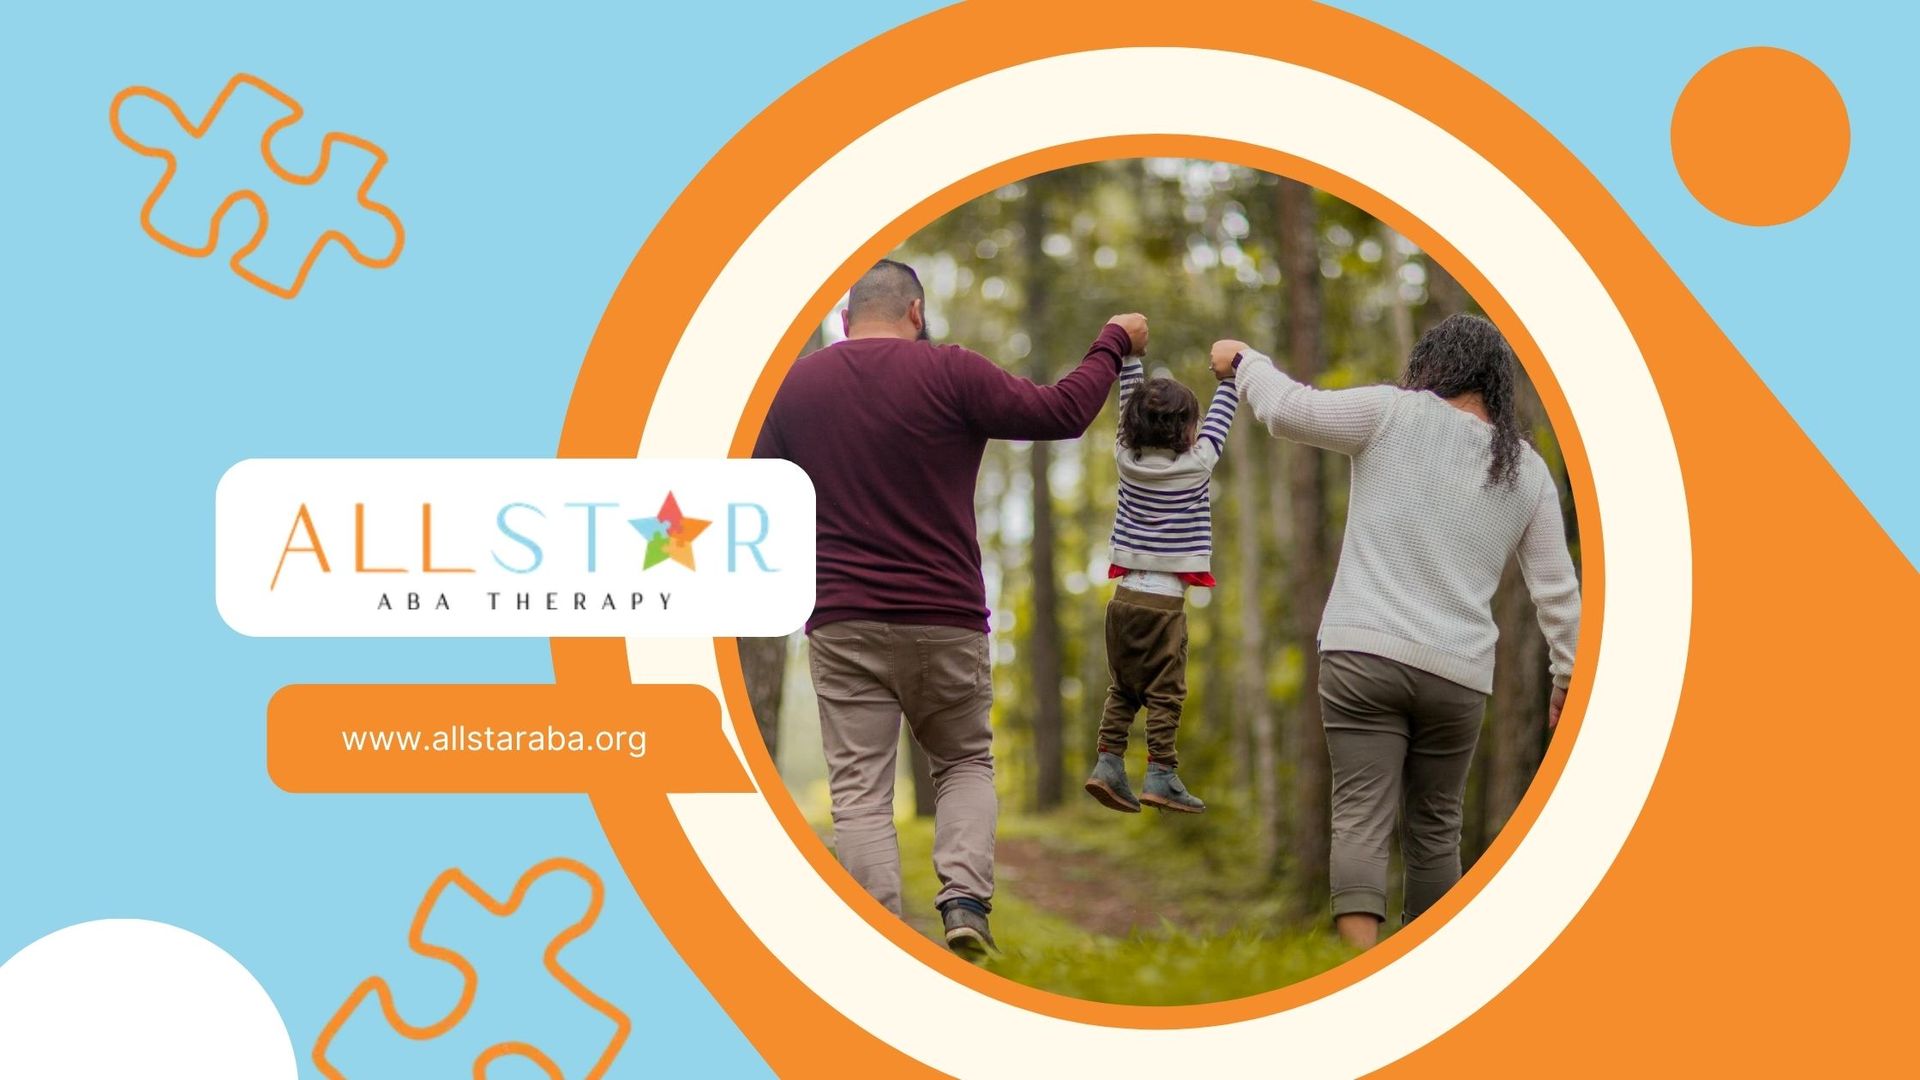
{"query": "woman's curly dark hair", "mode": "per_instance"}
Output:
(1160, 415)
(1465, 354)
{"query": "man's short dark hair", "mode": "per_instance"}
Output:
(884, 292)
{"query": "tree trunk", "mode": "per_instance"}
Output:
(1300, 254)
(1043, 641)
(1218, 656)
(763, 662)
(1091, 618)
(1400, 313)
(1280, 574)
(1516, 729)
(1445, 295)
(1253, 708)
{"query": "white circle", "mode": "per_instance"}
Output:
(117, 998)
(1494, 225)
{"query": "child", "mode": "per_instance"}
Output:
(1162, 543)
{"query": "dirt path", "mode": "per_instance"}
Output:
(1088, 889)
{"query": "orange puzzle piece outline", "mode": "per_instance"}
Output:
(266, 153)
(470, 980)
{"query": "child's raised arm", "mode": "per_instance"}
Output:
(1219, 419)
(1133, 372)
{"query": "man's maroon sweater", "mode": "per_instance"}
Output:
(892, 432)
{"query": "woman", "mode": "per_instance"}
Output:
(1445, 490)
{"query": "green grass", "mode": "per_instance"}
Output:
(1173, 968)
(1219, 936)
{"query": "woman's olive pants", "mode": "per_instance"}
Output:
(1400, 741)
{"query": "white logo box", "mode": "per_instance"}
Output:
(753, 573)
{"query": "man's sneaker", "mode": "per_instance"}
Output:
(1109, 784)
(1164, 790)
(967, 933)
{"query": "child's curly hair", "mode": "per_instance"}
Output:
(1160, 415)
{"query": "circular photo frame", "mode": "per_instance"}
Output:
(819, 949)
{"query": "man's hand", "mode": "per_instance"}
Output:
(1224, 352)
(1135, 324)
(1554, 705)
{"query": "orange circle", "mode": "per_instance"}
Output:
(1047, 1002)
(1760, 136)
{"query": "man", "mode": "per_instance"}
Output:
(891, 428)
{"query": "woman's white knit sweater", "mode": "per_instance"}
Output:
(1427, 537)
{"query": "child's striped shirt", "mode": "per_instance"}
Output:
(1164, 520)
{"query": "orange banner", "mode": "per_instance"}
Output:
(504, 738)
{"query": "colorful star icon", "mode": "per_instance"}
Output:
(669, 534)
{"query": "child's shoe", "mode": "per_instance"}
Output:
(1164, 790)
(1109, 784)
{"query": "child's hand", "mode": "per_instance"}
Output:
(1225, 351)
(1136, 327)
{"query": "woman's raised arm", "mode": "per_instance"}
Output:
(1343, 421)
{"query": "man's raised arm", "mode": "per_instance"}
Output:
(1001, 405)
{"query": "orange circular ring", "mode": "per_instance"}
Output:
(748, 177)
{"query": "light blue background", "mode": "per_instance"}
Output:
(1819, 306)
(531, 154)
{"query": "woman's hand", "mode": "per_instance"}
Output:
(1225, 352)
(1554, 704)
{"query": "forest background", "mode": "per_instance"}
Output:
(1170, 909)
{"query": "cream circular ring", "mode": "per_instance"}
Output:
(1636, 477)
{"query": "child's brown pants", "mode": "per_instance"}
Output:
(1147, 660)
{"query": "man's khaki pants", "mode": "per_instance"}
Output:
(867, 675)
